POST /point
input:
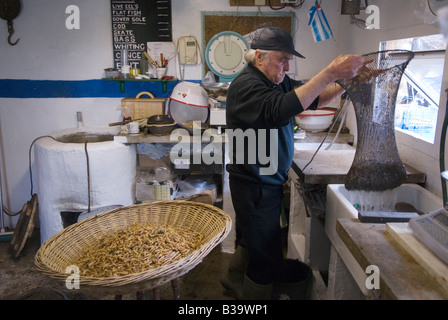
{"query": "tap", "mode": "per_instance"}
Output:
(79, 119)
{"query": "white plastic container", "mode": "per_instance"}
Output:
(189, 101)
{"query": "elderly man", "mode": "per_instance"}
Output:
(264, 100)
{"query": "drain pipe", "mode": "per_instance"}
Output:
(4, 236)
(2, 227)
(88, 175)
(79, 119)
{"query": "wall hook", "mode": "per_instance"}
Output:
(11, 31)
(9, 10)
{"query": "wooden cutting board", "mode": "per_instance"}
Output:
(403, 234)
(401, 275)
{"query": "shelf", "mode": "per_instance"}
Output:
(124, 137)
(123, 81)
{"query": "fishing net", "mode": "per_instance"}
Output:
(377, 165)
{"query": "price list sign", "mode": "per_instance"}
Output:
(136, 22)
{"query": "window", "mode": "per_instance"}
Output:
(418, 97)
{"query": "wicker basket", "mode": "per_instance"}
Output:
(60, 251)
(144, 107)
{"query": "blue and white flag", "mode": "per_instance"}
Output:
(319, 24)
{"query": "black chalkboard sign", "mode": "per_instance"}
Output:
(136, 22)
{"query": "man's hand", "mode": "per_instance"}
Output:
(366, 73)
(345, 66)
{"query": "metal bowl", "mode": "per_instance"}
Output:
(160, 125)
(216, 89)
(160, 129)
(190, 125)
(159, 119)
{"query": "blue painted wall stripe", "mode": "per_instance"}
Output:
(18, 88)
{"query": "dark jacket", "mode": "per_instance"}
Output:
(253, 103)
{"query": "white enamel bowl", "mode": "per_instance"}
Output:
(315, 120)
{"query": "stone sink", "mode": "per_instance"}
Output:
(340, 203)
(314, 146)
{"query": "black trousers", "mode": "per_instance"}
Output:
(257, 209)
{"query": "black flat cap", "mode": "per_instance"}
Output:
(274, 38)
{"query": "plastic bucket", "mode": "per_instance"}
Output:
(294, 283)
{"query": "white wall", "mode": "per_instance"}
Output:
(47, 50)
(187, 20)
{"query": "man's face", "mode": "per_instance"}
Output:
(275, 65)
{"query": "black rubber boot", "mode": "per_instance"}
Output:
(235, 274)
(256, 291)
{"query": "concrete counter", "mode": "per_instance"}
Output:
(307, 239)
(331, 166)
